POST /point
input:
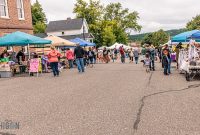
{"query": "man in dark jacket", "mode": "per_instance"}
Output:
(79, 54)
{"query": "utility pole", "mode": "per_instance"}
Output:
(83, 29)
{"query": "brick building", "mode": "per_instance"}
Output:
(15, 15)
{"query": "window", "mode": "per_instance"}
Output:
(3, 8)
(20, 9)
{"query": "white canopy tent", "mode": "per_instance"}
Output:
(117, 46)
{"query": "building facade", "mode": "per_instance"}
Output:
(70, 29)
(15, 15)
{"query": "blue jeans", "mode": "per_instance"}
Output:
(70, 64)
(166, 69)
(54, 67)
(169, 67)
(123, 57)
(80, 64)
(136, 60)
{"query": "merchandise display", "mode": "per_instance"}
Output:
(189, 60)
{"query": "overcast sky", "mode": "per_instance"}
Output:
(154, 14)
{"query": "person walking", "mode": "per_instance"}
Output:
(166, 47)
(165, 60)
(53, 57)
(115, 53)
(152, 57)
(95, 54)
(91, 56)
(131, 55)
(70, 58)
(136, 55)
(79, 54)
(122, 53)
(177, 50)
(105, 55)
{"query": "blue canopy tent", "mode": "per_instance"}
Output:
(184, 37)
(82, 42)
(22, 39)
(196, 35)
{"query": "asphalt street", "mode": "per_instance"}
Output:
(109, 99)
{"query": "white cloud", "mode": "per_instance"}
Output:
(154, 14)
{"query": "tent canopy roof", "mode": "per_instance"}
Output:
(117, 46)
(21, 39)
(60, 42)
(82, 42)
(196, 35)
(184, 37)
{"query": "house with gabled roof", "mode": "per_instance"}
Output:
(70, 29)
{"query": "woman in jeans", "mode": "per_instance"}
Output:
(53, 59)
(70, 57)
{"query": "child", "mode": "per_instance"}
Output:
(45, 63)
(165, 60)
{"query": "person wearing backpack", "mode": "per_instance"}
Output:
(53, 58)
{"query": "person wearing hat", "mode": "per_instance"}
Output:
(53, 58)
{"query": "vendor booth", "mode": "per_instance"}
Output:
(7, 64)
(60, 42)
(189, 57)
(184, 37)
(82, 42)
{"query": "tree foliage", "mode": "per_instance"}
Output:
(39, 27)
(194, 23)
(108, 24)
(156, 38)
(38, 17)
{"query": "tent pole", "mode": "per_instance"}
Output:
(29, 52)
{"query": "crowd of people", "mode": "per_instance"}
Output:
(82, 58)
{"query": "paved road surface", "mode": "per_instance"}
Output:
(110, 99)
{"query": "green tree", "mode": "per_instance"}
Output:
(39, 27)
(91, 11)
(156, 38)
(125, 19)
(108, 36)
(159, 37)
(38, 17)
(112, 20)
(147, 39)
(194, 23)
